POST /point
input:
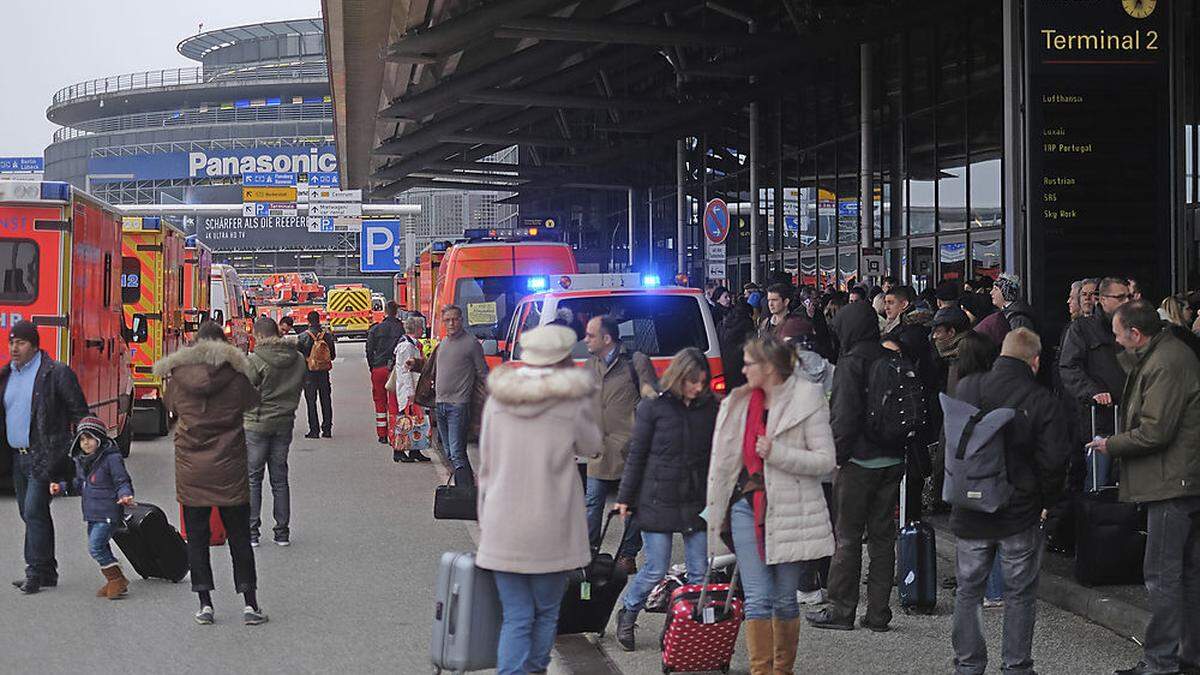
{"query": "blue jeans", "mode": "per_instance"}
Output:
(1172, 567)
(269, 452)
(1020, 557)
(770, 589)
(596, 494)
(452, 421)
(658, 563)
(99, 535)
(529, 604)
(995, 583)
(33, 503)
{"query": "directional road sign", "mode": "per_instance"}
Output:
(324, 194)
(716, 221)
(381, 246)
(268, 179)
(268, 194)
(335, 209)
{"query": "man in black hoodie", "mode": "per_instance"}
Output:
(867, 487)
(1036, 448)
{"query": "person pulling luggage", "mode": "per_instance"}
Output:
(664, 479)
(772, 445)
(531, 513)
(105, 485)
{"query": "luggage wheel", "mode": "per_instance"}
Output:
(666, 670)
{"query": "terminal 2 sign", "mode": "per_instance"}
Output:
(1098, 191)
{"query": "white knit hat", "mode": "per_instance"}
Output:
(547, 345)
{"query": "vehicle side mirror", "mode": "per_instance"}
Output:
(491, 348)
(219, 317)
(141, 328)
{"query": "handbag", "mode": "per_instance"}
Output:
(455, 502)
(390, 385)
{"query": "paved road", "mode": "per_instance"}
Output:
(354, 590)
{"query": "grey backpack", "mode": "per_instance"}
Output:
(976, 470)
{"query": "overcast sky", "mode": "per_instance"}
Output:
(54, 44)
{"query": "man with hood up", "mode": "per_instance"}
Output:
(277, 372)
(867, 486)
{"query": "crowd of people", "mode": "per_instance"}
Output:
(794, 470)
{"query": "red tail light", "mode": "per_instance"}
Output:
(718, 384)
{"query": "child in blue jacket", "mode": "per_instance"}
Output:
(101, 478)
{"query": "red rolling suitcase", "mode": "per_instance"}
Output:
(702, 627)
(216, 528)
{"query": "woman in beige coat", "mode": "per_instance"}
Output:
(538, 417)
(771, 447)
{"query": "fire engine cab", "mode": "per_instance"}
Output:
(58, 270)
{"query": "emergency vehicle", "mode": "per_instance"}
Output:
(229, 307)
(152, 291)
(378, 302)
(58, 266)
(490, 273)
(654, 319)
(422, 278)
(348, 307)
(400, 292)
(197, 269)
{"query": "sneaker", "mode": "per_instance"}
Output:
(825, 619)
(326, 434)
(282, 541)
(816, 597)
(205, 616)
(253, 617)
(989, 603)
(382, 441)
(254, 542)
(626, 623)
(401, 456)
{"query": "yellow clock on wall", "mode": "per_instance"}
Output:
(1139, 9)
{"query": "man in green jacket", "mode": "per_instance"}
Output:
(1160, 466)
(277, 372)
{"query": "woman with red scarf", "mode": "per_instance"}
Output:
(771, 447)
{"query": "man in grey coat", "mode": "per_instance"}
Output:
(277, 371)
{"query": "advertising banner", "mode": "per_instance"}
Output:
(226, 233)
(214, 163)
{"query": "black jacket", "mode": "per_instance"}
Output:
(1087, 365)
(666, 473)
(305, 342)
(1019, 315)
(1036, 449)
(382, 340)
(856, 327)
(58, 405)
(735, 329)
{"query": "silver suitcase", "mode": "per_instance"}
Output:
(466, 619)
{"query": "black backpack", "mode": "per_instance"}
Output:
(896, 407)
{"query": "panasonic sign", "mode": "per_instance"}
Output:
(200, 164)
(214, 163)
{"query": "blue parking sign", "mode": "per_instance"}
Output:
(380, 246)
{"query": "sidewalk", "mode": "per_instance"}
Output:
(1121, 609)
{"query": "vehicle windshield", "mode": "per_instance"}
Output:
(487, 303)
(655, 325)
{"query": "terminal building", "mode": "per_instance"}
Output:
(930, 140)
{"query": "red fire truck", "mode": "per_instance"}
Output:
(60, 267)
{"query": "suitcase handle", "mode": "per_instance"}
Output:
(453, 614)
(1096, 487)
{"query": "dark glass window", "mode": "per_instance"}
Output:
(19, 263)
(656, 325)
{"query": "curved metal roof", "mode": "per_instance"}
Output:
(197, 46)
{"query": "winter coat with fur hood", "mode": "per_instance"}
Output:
(209, 391)
(531, 516)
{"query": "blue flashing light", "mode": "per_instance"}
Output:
(56, 190)
(535, 284)
(650, 280)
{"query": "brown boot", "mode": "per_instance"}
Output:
(103, 592)
(760, 644)
(117, 583)
(787, 640)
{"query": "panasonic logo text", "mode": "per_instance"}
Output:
(201, 165)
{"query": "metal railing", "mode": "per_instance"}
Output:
(212, 144)
(195, 117)
(175, 77)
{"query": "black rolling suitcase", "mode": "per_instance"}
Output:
(917, 561)
(1110, 535)
(152, 545)
(592, 593)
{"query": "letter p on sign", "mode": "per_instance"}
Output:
(379, 250)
